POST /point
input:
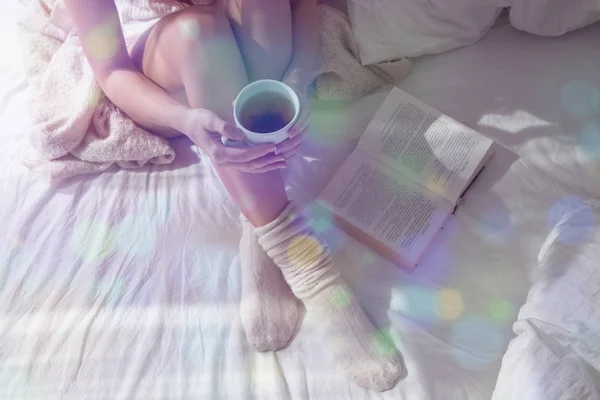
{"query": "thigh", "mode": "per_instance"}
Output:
(198, 39)
(154, 60)
(263, 29)
(193, 55)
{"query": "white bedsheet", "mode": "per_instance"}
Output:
(126, 285)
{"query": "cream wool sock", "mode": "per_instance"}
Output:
(361, 353)
(268, 308)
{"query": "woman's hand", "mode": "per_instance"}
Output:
(298, 132)
(205, 129)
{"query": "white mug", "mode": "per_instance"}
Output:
(254, 89)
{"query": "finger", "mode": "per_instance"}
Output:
(300, 124)
(215, 124)
(257, 167)
(264, 161)
(291, 153)
(270, 167)
(224, 154)
(291, 143)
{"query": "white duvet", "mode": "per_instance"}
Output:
(556, 354)
(126, 285)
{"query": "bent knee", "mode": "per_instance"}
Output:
(198, 23)
(179, 38)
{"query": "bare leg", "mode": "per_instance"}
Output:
(194, 54)
(264, 33)
(211, 73)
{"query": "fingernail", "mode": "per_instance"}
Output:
(236, 134)
(281, 158)
(276, 151)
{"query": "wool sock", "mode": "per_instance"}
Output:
(268, 308)
(361, 352)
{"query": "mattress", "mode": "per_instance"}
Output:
(126, 285)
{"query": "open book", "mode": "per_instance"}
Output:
(407, 175)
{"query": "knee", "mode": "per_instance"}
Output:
(193, 36)
(199, 35)
(198, 24)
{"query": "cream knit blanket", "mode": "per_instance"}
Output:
(339, 74)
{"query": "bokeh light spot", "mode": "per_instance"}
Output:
(321, 225)
(580, 98)
(449, 305)
(328, 127)
(92, 240)
(590, 141)
(418, 303)
(432, 185)
(476, 342)
(189, 29)
(368, 259)
(324, 226)
(573, 219)
(383, 344)
(93, 98)
(136, 235)
(103, 41)
(303, 249)
(333, 237)
(501, 310)
(341, 297)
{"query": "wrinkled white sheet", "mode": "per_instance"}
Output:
(556, 354)
(126, 285)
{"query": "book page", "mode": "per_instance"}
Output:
(424, 145)
(391, 209)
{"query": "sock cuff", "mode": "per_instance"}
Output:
(285, 215)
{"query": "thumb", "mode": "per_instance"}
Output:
(215, 124)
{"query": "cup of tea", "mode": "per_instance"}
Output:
(265, 110)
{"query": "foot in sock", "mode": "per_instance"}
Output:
(361, 353)
(268, 308)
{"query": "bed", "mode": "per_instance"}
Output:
(126, 285)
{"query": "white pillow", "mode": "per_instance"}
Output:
(553, 17)
(390, 29)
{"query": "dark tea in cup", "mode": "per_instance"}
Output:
(263, 110)
(266, 112)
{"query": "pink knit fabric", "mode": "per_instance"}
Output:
(76, 129)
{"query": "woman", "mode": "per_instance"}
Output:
(181, 77)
